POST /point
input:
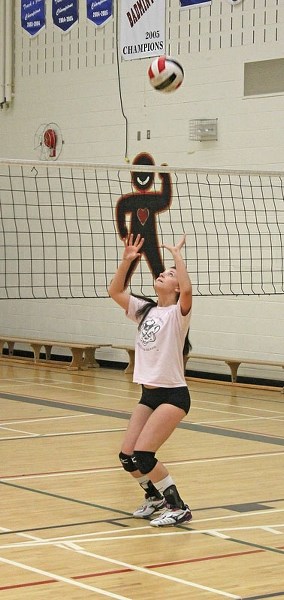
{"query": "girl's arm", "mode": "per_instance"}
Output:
(117, 289)
(185, 286)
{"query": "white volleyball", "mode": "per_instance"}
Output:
(165, 74)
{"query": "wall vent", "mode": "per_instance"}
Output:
(203, 130)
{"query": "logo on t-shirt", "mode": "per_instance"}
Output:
(148, 331)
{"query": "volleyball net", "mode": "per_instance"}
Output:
(60, 229)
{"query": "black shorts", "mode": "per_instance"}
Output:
(178, 396)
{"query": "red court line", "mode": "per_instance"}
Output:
(119, 571)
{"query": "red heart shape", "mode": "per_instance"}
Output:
(143, 215)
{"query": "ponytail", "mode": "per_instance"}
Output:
(144, 310)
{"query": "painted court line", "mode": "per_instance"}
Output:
(60, 434)
(273, 529)
(129, 567)
(268, 596)
(218, 534)
(99, 377)
(15, 383)
(67, 580)
(17, 431)
(235, 433)
(253, 545)
(252, 408)
(44, 419)
(95, 390)
(230, 433)
(225, 458)
(65, 498)
(71, 546)
(24, 535)
(118, 467)
(241, 418)
(150, 572)
(211, 430)
(118, 534)
(151, 566)
(242, 516)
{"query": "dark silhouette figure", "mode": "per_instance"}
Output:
(142, 207)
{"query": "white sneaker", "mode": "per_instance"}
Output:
(172, 516)
(151, 505)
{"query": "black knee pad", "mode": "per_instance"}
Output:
(127, 462)
(145, 461)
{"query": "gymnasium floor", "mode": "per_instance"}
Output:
(66, 504)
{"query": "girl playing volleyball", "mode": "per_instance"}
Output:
(159, 368)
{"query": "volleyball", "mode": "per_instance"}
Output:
(165, 74)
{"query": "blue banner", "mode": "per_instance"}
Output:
(64, 13)
(99, 11)
(33, 15)
(193, 3)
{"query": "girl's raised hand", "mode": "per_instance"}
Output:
(132, 247)
(175, 249)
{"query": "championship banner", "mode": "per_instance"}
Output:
(194, 3)
(99, 11)
(64, 14)
(142, 29)
(33, 16)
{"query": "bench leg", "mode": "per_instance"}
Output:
(77, 359)
(11, 348)
(2, 343)
(47, 351)
(130, 366)
(90, 359)
(36, 350)
(234, 365)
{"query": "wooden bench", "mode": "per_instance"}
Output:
(83, 355)
(233, 363)
(131, 355)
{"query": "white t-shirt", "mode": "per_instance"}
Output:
(159, 345)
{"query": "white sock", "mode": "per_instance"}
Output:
(148, 486)
(163, 484)
(167, 487)
(143, 481)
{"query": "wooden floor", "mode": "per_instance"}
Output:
(66, 504)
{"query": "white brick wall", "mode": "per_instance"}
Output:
(72, 80)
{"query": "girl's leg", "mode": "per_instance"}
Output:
(155, 432)
(158, 427)
(137, 422)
